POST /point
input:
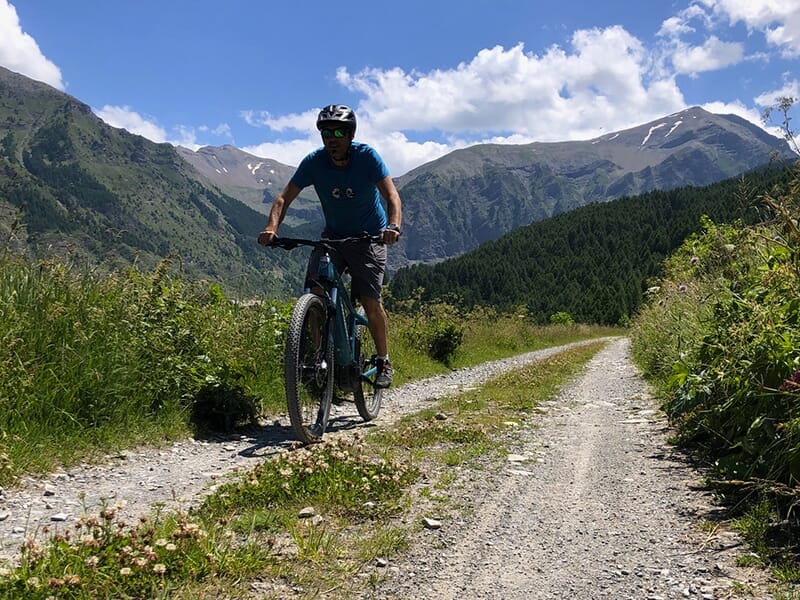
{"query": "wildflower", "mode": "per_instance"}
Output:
(170, 547)
(92, 561)
(125, 571)
(792, 384)
(33, 582)
(108, 513)
(159, 568)
(161, 542)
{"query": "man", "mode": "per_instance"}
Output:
(350, 179)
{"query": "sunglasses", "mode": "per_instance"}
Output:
(334, 133)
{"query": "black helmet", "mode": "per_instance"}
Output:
(337, 114)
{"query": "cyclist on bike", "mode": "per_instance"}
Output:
(350, 179)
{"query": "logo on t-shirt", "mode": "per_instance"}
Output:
(337, 193)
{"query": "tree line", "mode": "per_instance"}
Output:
(593, 263)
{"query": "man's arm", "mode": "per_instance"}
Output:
(276, 214)
(394, 208)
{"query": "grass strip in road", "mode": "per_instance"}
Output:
(313, 522)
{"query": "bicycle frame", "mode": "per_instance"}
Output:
(327, 321)
(342, 314)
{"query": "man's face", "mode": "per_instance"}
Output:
(336, 141)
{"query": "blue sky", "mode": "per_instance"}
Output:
(425, 77)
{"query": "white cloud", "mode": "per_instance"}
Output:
(302, 122)
(714, 54)
(19, 52)
(735, 108)
(679, 24)
(124, 117)
(778, 20)
(790, 89)
(288, 153)
(604, 81)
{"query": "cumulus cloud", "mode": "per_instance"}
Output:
(714, 54)
(19, 52)
(778, 20)
(124, 117)
(604, 80)
(790, 89)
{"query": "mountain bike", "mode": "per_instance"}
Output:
(328, 346)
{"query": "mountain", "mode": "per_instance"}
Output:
(252, 180)
(72, 186)
(476, 194)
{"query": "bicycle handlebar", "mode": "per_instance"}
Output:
(327, 243)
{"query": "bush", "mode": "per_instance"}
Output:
(720, 335)
(561, 318)
(439, 329)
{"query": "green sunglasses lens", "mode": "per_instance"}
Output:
(337, 133)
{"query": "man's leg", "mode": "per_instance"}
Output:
(378, 328)
(378, 324)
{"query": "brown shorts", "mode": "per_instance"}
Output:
(365, 261)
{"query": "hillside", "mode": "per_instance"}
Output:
(593, 263)
(70, 185)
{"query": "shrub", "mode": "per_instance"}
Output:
(561, 318)
(438, 328)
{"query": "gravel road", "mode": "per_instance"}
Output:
(593, 502)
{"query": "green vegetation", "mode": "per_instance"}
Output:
(94, 362)
(91, 363)
(306, 522)
(720, 339)
(592, 263)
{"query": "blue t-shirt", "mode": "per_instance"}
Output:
(350, 199)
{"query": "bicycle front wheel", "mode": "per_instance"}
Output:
(308, 369)
(367, 397)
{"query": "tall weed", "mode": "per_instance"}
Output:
(720, 335)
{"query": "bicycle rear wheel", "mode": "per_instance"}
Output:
(308, 369)
(367, 397)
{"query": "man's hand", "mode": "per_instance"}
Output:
(266, 237)
(391, 234)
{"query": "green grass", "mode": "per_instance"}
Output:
(249, 533)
